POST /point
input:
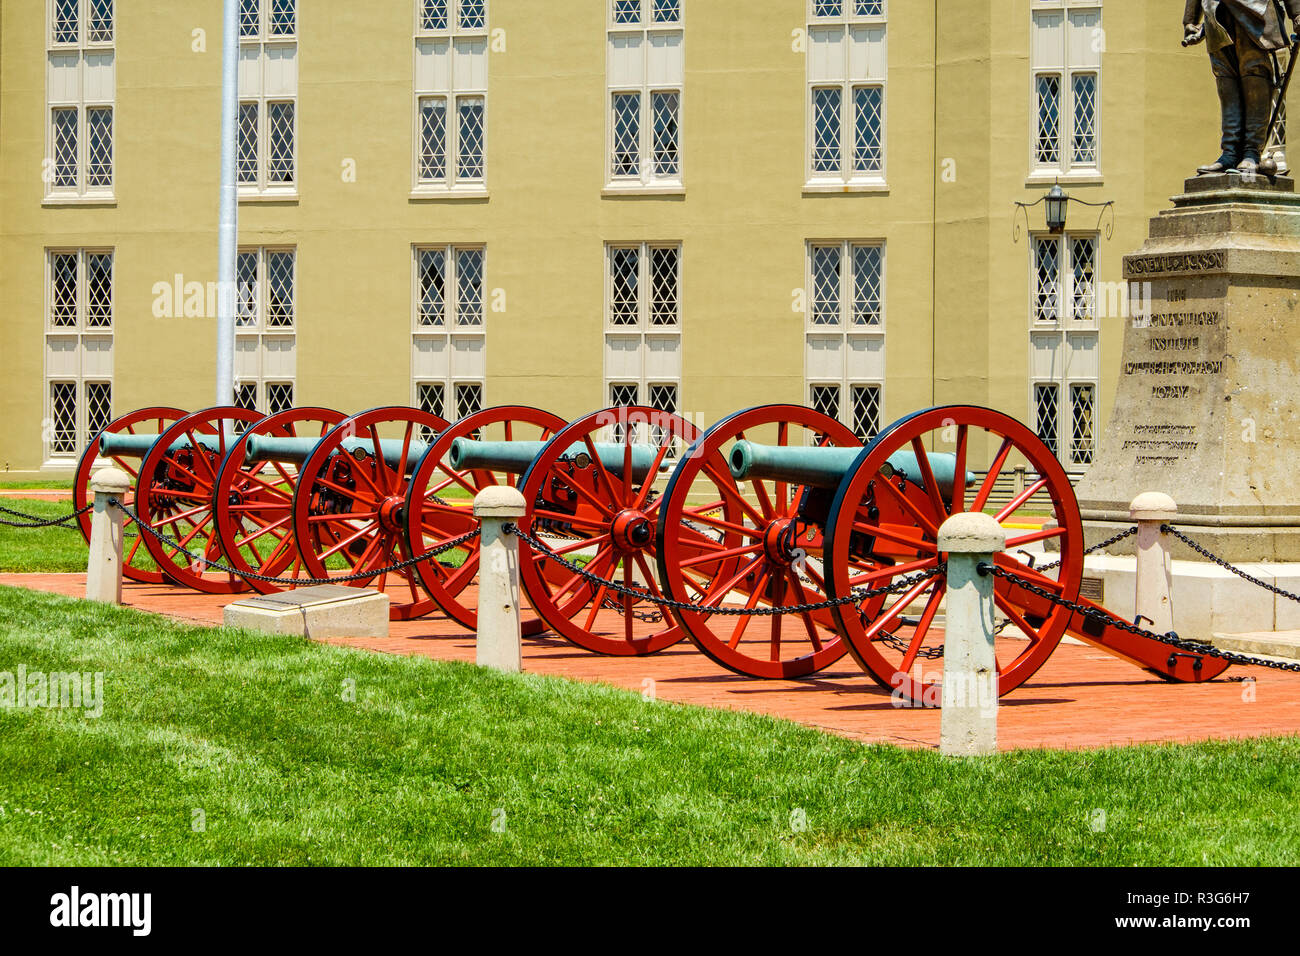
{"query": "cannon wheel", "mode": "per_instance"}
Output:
(253, 503)
(983, 440)
(174, 495)
(137, 563)
(611, 525)
(727, 545)
(348, 508)
(439, 507)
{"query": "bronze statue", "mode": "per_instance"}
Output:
(1241, 36)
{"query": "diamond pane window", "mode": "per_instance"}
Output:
(432, 279)
(625, 269)
(280, 119)
(434, 15)
(99, 290)
(63, 407)
(473, 14)
(65, 147)
(1081, 424)
(828, 8)
(246, 395)
(627, 134)
(666, 112)
(99, 146)
(1083, 258)
(248, 143)
(470, 160)
(1046, 403)
(826, 130)
(433, 138)
(664, 280)
(662, 398)
(868, 127)
(279, 289)
(99, 407)
(1084, 139)
(283, 18)
(667, 11)
(869, 8)
(826, 285)
(469, 399)
(1047, 148)
(279, 397)
(627, 11)
(866, 411)
(1047, 280)
(623, 393)
(250, 18)
(825, 399)
(63, 290)
(99, 24)
(868, 268)
(469, 287)
(430, 398)
(65, 26)
(246, 269)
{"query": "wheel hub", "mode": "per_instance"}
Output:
(631, 531)
(778, 540)
(390, 513)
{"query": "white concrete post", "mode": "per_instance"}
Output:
(969, 724)
(104, 570)
(499, 636)
(1154, 597)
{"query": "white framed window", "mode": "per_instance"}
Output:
(451, 97)
(266, 322)
(845, 331)
(448, 332)
(645, 82)
(80, 90)
(643, 324)
(1064, 344)
(848, 64)
(1066, 46)
(78, 349)
(267, 145)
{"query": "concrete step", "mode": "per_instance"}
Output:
(1276, 644)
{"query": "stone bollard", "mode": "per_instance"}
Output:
(969, 723)
(1154, 597)
(104, 570)
(499, 636)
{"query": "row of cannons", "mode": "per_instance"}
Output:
(774, 540)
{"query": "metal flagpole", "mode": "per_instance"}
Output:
(228, 232)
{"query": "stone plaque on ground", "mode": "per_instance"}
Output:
(324, 611)
(1207, 408)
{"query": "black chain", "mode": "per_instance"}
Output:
(1109, 620)
(857, 596)
(1096, 547)
(293, 582)
(36, 521)
(1199, 549)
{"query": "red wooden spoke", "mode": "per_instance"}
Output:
(1035, 536)
(649, 482)
(927, 475)
(1033, 633)
(720, 555)
(802, 598)
(897, 608)
(995, 469)
(1015, 504)
(607, 480)
(926, 523)
(717, 594)
(876, 531)
(922, 628)
(584, 494)
(777, 587)
(752, 602)
(891, 571)
(959, 473)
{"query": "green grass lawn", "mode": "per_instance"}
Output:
(60, 484)
(259, 734)
(40, 549)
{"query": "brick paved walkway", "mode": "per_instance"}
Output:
(1081, 698)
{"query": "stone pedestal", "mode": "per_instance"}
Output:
(1207, 408)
